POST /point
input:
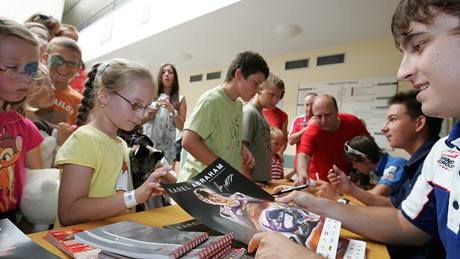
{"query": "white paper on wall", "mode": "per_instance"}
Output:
(365, 98)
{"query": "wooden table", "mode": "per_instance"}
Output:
(174, 214)
(156, 217)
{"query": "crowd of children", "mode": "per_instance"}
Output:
(46, 122)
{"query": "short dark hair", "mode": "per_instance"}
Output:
(64, 42)
(250, 63)
(414, 110)
(421, 11)
(366, 145)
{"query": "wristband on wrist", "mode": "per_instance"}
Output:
(343, 200)
(130, 199)
(175, 113)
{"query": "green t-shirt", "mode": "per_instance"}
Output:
(218, 120)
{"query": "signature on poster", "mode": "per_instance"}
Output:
(227, 182)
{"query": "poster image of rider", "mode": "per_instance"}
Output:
(258, 215)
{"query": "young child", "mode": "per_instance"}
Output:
(63, 57)
(41, 95)
(214, 129)
(276, 117)
(69, 31)
(277, 138)
(19, 138)
(94, 158)
(367, 158)
(42, 35)
(256, 132)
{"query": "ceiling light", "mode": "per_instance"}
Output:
(287, 31)
(182, 56)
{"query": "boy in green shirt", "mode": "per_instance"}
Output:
(215, 127)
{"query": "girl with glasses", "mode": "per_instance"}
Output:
(19, 138)
(96, 180)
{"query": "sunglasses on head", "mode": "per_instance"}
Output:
(349, 150)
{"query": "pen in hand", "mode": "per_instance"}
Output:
(290, 189)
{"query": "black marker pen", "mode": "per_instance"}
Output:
(290, 189)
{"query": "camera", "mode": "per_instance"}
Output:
(155, 105)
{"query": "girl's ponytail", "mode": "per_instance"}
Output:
(88, 101)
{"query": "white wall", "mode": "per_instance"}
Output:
(138, 20)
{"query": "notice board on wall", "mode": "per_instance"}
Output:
(365, 98)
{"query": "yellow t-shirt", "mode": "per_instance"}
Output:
(109, 159)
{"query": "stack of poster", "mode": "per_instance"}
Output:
(130, 239)
(64, 239)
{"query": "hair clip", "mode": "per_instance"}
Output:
(101, 69)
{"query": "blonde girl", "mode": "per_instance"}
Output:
(19, 139)
(94, 159)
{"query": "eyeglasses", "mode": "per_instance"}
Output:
(56, 61)
(349, 150)
(30, 72)
(137, 107)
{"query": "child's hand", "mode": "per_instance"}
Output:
(151, 187)
(339, 180)
(325, 190)
(64, 130)
(247, 158)
(149, 115)
(170, 176)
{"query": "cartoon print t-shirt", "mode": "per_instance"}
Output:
(122, 182)
(18, 135)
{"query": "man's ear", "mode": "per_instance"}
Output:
(239, 74)
(420, 123)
